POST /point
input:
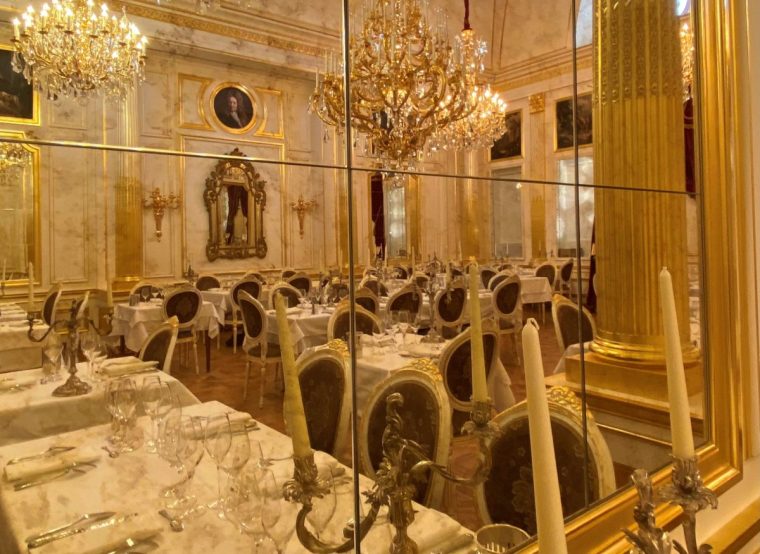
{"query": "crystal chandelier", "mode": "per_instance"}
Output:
(69, 49)
(12, 155)
(407, 82)
(487, 121)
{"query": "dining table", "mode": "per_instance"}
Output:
(307, 329)
(31, 411)
(17, 351)
(135, 323)
(129, 485)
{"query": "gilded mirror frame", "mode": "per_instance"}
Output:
(240, 173)
(33, 222)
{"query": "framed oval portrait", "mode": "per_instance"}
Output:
(233, 107)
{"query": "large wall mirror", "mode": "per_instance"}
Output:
(606, 209)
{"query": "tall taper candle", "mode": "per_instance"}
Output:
(30, 300)
(479, 387)
(680, 419)
(293, 405)
(551, 528)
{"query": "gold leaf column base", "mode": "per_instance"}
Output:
(632, 378)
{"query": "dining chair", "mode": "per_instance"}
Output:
(368, 300)
(291, 294)
(207, 281)
(252, 286)
(258, 349)
(448, 310)
(456, 272)
(486, 273)
(507, 311)
(138, 288)
(498, 278)
(549, 271)
(426, 416)
(323, 377)
(301, 281)
(421, 280)
(375, 285)
(259, 276)
(506, 495)
(338, 324)
(408, 298)
(565, 316)
(456, 369)
(566, 278)
(50, 304)
(185, 303)
(400, 272)
(159, 346)
(287, 273)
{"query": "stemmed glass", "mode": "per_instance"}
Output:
(236, 456)
(121, 400)
(89, 344)
(278, 528)
(52, 349)
(243, 504)
(182, 447)
(323, 508)
(157, 400)
(217, 441)
(403, 323)
(145, 293)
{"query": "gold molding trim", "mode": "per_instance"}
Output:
(260, 132)
(224, 29)
(537, 102)
(200, 104)
(35, 119)
(243, 89)
(542, 68)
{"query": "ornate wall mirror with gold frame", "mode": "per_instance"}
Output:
(235, 199)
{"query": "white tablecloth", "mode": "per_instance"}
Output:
(535, 290)
(16, 350)
(306, 329)
(220, 298)
(131, 483)
(135, 323)
(35, 413)
(376, 365)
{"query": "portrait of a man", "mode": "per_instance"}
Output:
(233, 108)
(16, 95)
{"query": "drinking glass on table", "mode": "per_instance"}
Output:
(323, 508)
(145, 293)
(89, 344)
(278, 528)
(243, 505)
(53, 349)
(403, 323)
(217, 441)
(156, 399)
(121, 400)
(183, 448)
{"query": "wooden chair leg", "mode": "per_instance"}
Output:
(247, 376)
(195, 356)
(263, 374)
(234, 336)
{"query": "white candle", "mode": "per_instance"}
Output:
(680, 418)
(551, 528)
(30, 300)
(477, 354)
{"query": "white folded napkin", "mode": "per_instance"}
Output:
(117, 370)
(234, 417)
(48, 464)
(431, 528)
(106, 539)
(326, 465)
(7, 383)
(293, 310)
(122, 360)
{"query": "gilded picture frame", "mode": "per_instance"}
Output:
(19, 102)
(563, 122)
(232, 107)
(510, 145)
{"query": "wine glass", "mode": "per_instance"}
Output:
(121, 401)
(153, 395)
(243, 505)
(154, 293)
(187, 451)
(217, 441)
(323, 508)
(403, 323)
(89, 344)
(145, 293)
(52, 349)
(278, 528)
(240, 449)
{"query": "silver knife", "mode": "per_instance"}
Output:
(68, 532)
(91, 517)
(53, 450)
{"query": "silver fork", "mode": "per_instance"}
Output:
(53, 450)
(53, 476)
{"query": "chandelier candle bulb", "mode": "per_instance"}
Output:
(478, 359)
(293, 408)
(680, 418)
(551, 528)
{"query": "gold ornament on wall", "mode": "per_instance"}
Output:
(161, 202)
(301, 207)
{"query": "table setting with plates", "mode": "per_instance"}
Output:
(28, 409)
(210, 460)
(16, 350)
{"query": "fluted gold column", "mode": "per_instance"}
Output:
(638, 142)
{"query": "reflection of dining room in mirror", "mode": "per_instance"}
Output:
(477, 275)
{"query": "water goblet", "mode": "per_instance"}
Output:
(89, 344)
(323, 508)
(145, 293)
(243, 505)
(217, 441)
(156, 400)
(278, 528)
(53, 349)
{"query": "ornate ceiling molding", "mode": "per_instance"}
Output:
(542, 68)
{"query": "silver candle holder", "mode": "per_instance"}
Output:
(685, 490)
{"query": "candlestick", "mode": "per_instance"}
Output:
(551, 530)
(293, 405)
(678, 397)
(479, 387)
(30, 299)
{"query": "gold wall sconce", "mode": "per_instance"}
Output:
(161, 202)
(301, 207)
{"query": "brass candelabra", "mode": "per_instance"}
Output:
(73, 386)
(403, 462)
(685, 490)
(160, 203)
